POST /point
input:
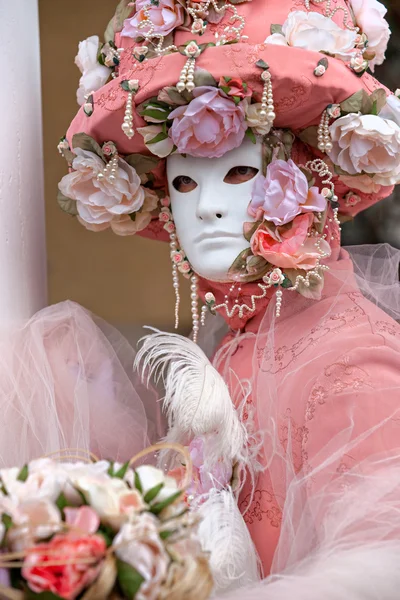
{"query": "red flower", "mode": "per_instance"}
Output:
(234, 86)
(82, 556)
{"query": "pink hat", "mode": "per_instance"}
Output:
(196, 77)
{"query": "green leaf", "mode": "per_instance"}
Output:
(159, 507)
(153, 493)
(164, 535)
(374, 110)
(262, 64)
(67, 204)
(310, 136)
(203, 77)
(122, 12)
(110, 470)
(358, 102)
(85, 142)
(23, 474)
(286, 283)
(159, 115)
(249, 229)
(107, 533)
(61, 502)
(132, 216)
(138, 483)
(158, 138)
(251, 135)
(129, 579)
(225, 88)
(7, 521)
(236, 100)
(324, 62)
(276, 29)
(379, 100)
(120, 474)
(3, 488)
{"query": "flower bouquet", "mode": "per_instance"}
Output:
(98, 531)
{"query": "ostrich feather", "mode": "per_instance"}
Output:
(233, 558)
(197, 400)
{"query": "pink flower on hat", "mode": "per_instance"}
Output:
(164, 15)
(283, 194)
(289, 247)
(209, 126)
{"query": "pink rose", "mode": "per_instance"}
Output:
(319, 70)
(165, 15)
(164, 217)
(184, 267)
(169, 227)
(177, 257)
(334, 111)
(69, 580)
(275, 277)
(283, 194)
(165, 202)
(289, 246)
(125, 225)
(209, 126)
(351, 199)
(109, 149)
(99, 201)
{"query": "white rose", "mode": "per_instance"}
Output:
(254, 120)
(99, 201)
(162, 148)
(150, 477)
(94, 75)
(139, 545)
(391, 110)
(313, 31)
(367, 144)
(369, 16)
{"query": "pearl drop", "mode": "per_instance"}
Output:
(328, 146)
(271, 115)
(125, 127)
(190, 86)
(180, 86)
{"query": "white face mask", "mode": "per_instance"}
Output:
(209, 201)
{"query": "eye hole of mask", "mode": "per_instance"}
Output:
(184, 184)
(240, 174)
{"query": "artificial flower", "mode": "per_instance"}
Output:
(234, 86)
(391, 110)
(255, 121)
(312, 31)
(205, 477)
(33, 520)
(150, 477)
(274, 277)
(126, 225)
(69, 580)
(138, 544)
(283, 194)
(370, 17)
(94, 75)
(156, 141)
(358, 63)
(351, 199)
(99, 201)
(289, 247)
(164, 15)
(209, 126)
(367, 144)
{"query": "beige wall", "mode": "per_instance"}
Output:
(125, 280)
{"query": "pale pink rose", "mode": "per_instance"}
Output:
(198, 26)
(358, 63)
(192, 50)
(209, 126)
(109, 149)
(125, 225)
(177, 257)
(367, 144)
(165, 202)
(81, 520)
(163, 147)
(351, 199)
(184, 267)
(69, 580)
(209, 297)
(139, 545)
(275, 277)
(319, 70)
(334, 111)
(94, 75)
(100, 201)
(289, 247)
(363, 183)
(164, 217)
(370, 17)
(283, 194)
(312, 31)
(165, 15)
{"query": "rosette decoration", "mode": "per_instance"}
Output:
(98, 531)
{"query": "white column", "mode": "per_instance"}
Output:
(23, 287)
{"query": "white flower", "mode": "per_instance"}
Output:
(150, 477)
(367, 144)
(391, 110)
(370, 17)
(253, 119)
(313, 31)
(351, 199)
(358, 63)
(275, 277)
(334, 111)
(138, 544)
(161, 148)
(192, 50)
(319, 70)
(94, 75)
(209, 298)
(99, 201)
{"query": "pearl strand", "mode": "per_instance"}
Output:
(324, 137)
(127, 125)
(175, 277)
(278, 304)
(186, 78)
(267, 112)
(109, 170)
(194, 306)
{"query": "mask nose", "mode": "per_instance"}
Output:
(211, 206)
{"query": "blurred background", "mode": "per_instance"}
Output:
(128, 280)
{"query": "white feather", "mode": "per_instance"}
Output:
(223, 532)
(197, 400)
